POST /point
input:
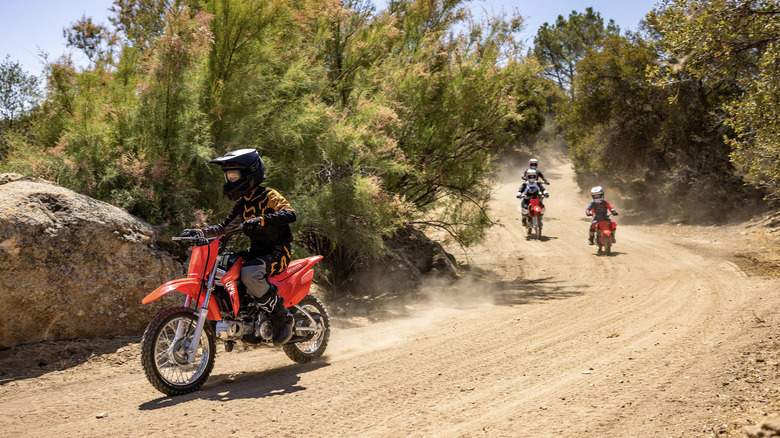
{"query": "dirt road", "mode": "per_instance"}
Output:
(667, 337)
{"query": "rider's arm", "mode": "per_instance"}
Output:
(232, 220)
(283, 213)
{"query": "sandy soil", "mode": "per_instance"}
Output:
(675, 334)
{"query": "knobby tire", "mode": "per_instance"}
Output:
(156, 337)
(313, 348)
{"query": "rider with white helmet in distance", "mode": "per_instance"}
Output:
(599, 208)
(532, 188)
(533, 164)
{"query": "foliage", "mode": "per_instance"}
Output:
(731, 42)
(368, 120)
(95, 40)
(662, 146)
(562, 45)
(19, 94)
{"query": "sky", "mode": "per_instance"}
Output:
(31, 26)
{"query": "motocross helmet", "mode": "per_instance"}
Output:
(531, 175)
(243, 170)
(597, 193)
(533, 163)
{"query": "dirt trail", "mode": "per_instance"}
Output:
(549, 340)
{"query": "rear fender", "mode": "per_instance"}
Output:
(294, 283)
(190, 287)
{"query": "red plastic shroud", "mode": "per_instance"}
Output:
(534, 207)
(606, 228)
(294, 282)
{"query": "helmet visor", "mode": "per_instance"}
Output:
(533, 165)
(232, 175)
(532, 177)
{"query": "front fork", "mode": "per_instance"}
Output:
(202, 312)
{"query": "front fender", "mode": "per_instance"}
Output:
(190, 287)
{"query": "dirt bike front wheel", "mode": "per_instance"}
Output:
(608, 245)
(317, 331)
(166, 363)
(538, 220)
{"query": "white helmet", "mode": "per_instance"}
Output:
(533, 163)
(531, 176)
(597, 193)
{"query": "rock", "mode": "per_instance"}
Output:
(413, 257)
(74, 267)
(770, 427)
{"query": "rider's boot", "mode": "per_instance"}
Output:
(591, 235)
(525, 220)
(282, 322)
(281, 319)
(613, 237)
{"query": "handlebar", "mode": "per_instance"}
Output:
(227, 234)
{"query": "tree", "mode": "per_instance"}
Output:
(18, 91)
(736, 42)
(561, 46)
(664, 147)
(369, 121)
(95, 40)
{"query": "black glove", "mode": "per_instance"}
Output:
(615, 212)
(589, 214)
(190, 232)
(253, 224)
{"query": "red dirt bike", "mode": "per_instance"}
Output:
(533, 224)
(604, 236)
(178, 346)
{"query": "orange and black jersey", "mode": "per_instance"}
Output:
(273, 210)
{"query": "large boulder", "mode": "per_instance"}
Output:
(74, 267)
(412, 259)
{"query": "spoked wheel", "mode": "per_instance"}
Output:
(316, 331)
(163, 352)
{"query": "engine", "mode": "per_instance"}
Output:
(259, 329)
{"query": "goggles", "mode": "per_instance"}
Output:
(531, 177)
(232, 175)
(533, 165)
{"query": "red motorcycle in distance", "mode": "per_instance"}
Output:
(179, 345)
(604, 236)
(535, 212)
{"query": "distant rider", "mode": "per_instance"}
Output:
(265, 217)
(599, 208)
(530, 189)
(533, 164)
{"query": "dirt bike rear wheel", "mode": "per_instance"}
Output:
(162, 356)
(312, 348)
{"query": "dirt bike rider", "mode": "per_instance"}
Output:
(599, 208)
(265, 216)
(533, 164)
(531, 188)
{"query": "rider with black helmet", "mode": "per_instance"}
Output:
(265, 216)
